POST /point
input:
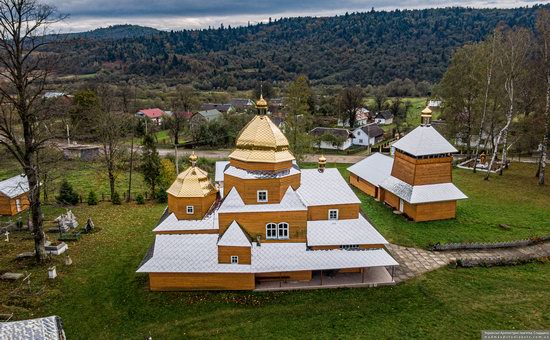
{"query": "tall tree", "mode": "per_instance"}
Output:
(513, 47)
(380, 97)
(543, 38)
(23, 120)
(350, 102)
(184, 101)
(298, 119)
(150, 163)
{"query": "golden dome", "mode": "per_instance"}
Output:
(426, 111)
(193, 158)
(261, 103)
(322, 159)
(192, 182)
(261, 141)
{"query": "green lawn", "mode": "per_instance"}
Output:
(100, 296)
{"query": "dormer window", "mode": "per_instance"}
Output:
(333, 214)
(234, 260)
(262, 196)
(190, 210)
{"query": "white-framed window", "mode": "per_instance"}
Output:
(271, 231)
(349, 246)
(333, 214)
(283, 231)
(234, 259)
(190, 210)
(262, 195)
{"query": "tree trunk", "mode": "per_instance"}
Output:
(111, 181)
(36, 211)
(544, 150)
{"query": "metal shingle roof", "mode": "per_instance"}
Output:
(220, 168)
(422, 193)
(342, 232)
(234, 236)
(423, 141)
(15, 186)
(49, 328)
(325, 188)
(373, 169)
(247, 174)
(171, 223)
(234, 203)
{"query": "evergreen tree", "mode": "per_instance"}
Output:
(150, 163)
(67, 195)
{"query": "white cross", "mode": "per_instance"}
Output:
(7, 234)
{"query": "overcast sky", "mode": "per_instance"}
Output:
(178, 14)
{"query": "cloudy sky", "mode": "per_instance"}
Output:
(178, 14)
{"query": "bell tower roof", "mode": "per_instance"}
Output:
(193, 182)
(261, 141)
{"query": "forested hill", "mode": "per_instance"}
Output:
(114, 32)
(366, 48)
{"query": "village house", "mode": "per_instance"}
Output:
(419, 181)
(14, 195)
(155, 115)
(242, 104)
(384, 118)
(362, 118)
(332, 138)
(368, 135)
(223, 108)
(202, 117)
(276, 225)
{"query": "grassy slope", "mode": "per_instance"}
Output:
(100, 296)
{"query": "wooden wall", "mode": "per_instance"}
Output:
(390, 199)
(201, 281)
(254, 223)
(201, 205)
(422, 171)
(291, 276)
(261, 166)
(225, 253)
(435, 211)
(248, 188)
(345, 212)
(363, 185)
(8, 207)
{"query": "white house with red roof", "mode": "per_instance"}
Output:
(155, 114)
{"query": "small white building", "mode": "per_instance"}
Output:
(332, 138)
(362, 117)
(384, 118)
(368, 135)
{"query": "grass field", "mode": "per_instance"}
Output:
(101, 297)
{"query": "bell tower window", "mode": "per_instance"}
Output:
(262, 196)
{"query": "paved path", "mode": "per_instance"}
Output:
(414, 262)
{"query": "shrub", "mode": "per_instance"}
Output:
(140, 199)
(67, 195)
(116, 198)
(161, 195)
(92, 198)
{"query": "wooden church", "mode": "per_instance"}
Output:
(266, 220)
(417, 181)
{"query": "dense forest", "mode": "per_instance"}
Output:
(360, 48)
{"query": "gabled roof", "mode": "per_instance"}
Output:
(50, 328)
(422, 193)
(172, 224)
(340, 132)
(423, 141)
(241, 103)
(372, 130)
(234, 236)
(342, 232)
(209, 114)
(15, 186)
(152, 113)
(184, 114)
(384, 115)
(373, 169)
(233, 203)
(325, 188)
(218, 106)
(259, 174)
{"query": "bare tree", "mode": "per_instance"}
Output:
(543, 31)
(350, 102)
(184, 101)
(513, 48)
(24, 125)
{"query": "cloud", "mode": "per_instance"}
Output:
(180, 14)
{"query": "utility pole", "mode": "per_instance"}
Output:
(131, 168)
(177, 160)
(68, 136)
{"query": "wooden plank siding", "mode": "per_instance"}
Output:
(391, 199)
(422, 171)
(8, 206)
(201, 281)
(363, 185)
(435, 211)
(201, 205)
(345, 212)
(255, 166)
(248, 188)
(225, 253)
(254, 223)
(291, 276)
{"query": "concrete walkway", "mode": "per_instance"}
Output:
(414, 262)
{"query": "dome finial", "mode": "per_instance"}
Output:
(426, 116)
(261, 104)
(322, 163)
(193, 159)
